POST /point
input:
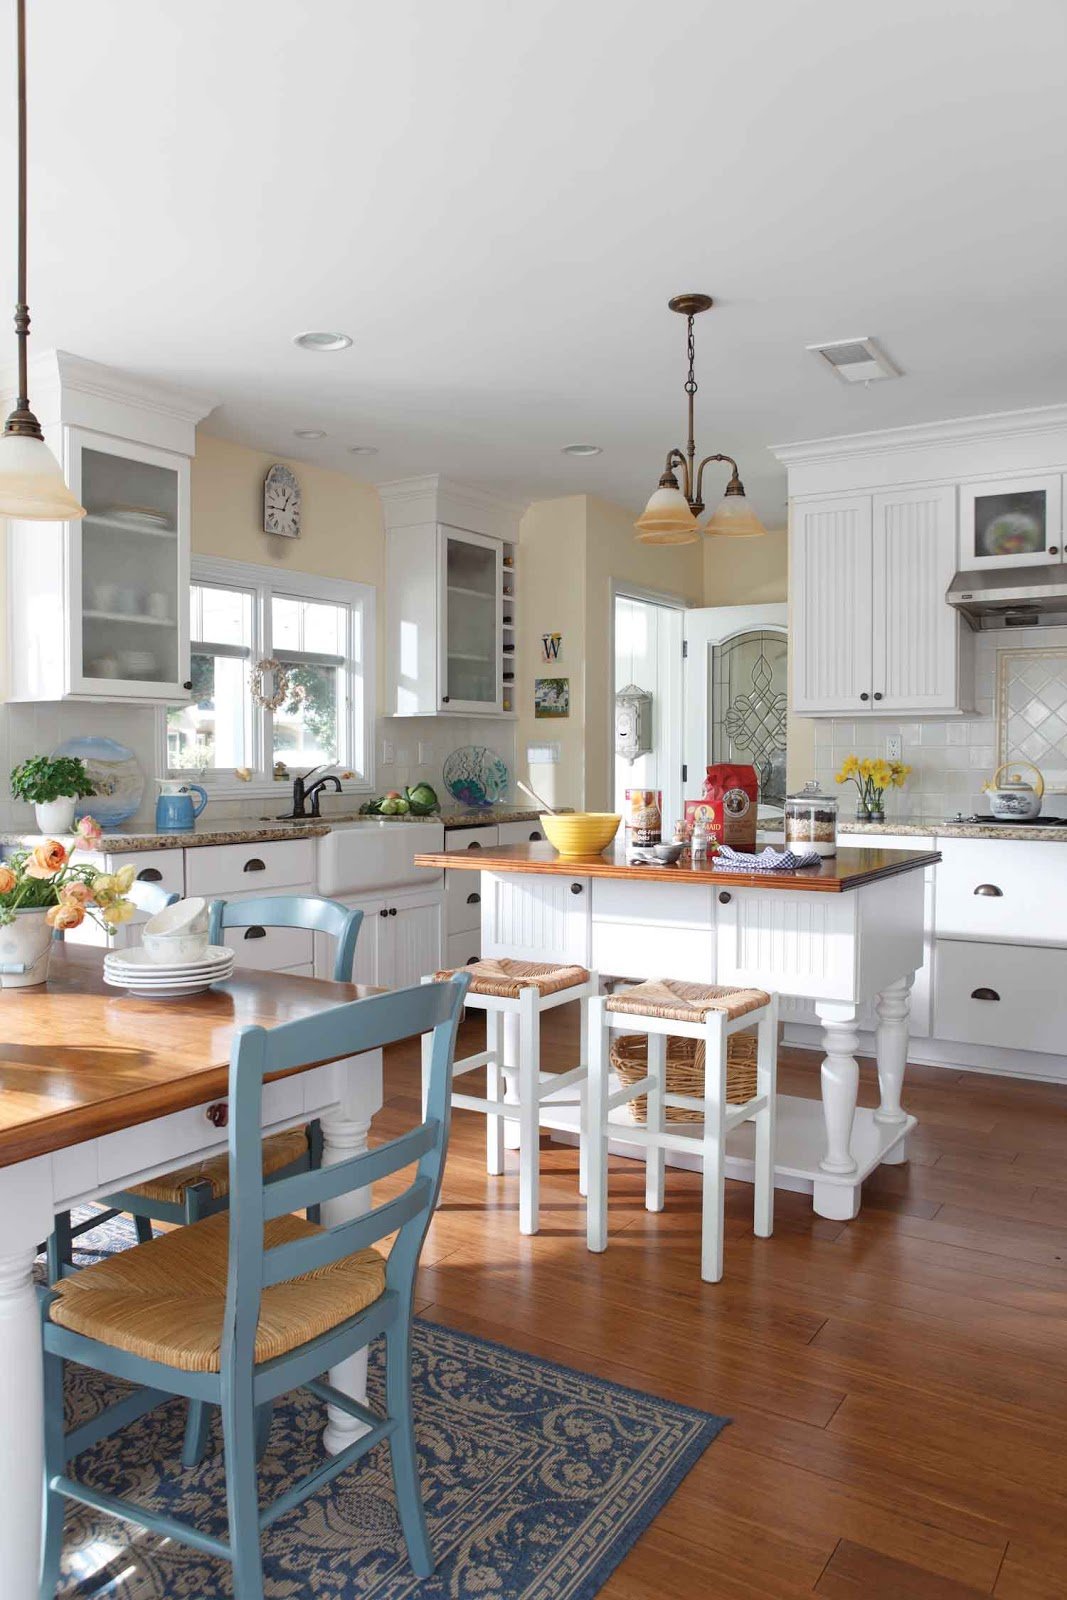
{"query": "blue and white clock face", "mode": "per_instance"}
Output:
(281, 503)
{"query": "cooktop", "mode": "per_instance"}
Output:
(1007, 822)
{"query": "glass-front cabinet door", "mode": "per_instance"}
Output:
(130, 571)
(470, 606)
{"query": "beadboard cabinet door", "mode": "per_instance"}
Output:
(832, 599)
(916, 635)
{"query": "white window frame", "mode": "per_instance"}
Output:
(264, 583)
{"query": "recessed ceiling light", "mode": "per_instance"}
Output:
(363, 449)
(322, 341)
(582, 450)
(309, 433)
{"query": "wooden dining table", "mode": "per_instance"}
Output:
(99, 1090)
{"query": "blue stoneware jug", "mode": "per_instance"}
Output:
(175, 810)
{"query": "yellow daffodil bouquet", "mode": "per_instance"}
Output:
(47, 879)
(872, 778)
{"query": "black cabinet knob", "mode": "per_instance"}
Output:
(865, 696)
(254, 864)
(991, 890)
(878, 694)
(474, 899)
(984, 994)
(188, 684)
(725, 897)
(149, 875)
(255, 932)
(1052, 550)
(475, 844)
(537, 834)
(392, 911)
(444, 699)
(383, 913)
(576, 888)
(218, 1114)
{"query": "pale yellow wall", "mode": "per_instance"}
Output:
(614, 555)
(746, 572)
(342, 533)
(551, 599)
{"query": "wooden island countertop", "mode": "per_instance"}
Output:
(849, 869)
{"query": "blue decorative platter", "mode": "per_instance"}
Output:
(475, 776)
(115, 774)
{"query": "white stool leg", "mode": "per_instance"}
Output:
(529, 1109)
(654, 1159)
(583, 1139)
(511, 1076)
(714, 1189)
(494, 1088)
(596, 1113)
(767, 1087)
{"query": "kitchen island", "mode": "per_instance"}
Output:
(837, 935)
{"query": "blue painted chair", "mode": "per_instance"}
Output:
(253, 1339)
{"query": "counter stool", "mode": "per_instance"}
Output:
(521, 989)
(710, 1015)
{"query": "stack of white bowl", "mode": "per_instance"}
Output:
(175, 957)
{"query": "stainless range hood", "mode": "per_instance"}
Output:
(1005, 597)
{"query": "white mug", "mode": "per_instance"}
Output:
(159, 605)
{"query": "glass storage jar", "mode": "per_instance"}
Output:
(811, 820)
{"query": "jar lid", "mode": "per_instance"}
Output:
(813, 794)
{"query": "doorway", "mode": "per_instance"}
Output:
(648, 656)
(737, 695)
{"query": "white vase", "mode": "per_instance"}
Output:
(25, 950)
(55, 816)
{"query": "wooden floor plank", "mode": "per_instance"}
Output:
(856, 1573)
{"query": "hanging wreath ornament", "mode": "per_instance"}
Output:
(280, 684)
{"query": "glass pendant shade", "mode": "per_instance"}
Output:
(667, 519)
(32, 487)
(734, 518)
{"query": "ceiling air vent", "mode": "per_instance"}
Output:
(856, 360)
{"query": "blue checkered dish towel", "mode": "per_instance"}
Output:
(768, 860)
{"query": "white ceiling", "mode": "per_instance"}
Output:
(496, 201)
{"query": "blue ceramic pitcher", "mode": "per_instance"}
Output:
(175, 810)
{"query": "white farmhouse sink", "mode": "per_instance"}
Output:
(369, 853)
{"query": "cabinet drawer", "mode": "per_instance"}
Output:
(462, 948)
(225, 869)
(463, 901)
(271, 949)
(520, 832)
(1004, 995)
(163, 867)
(1001, 889)
(470, 838)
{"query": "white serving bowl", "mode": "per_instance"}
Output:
(184, 916)
(175, 949)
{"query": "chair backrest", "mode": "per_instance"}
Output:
(309, 911)
(150, 897)
(344, 1030)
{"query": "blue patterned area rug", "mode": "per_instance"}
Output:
(537, 1480)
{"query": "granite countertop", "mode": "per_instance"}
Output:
(938, 827)
(262, 830)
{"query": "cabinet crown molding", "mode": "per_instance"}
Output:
(406, 502)
(68, 389)
(1035, 421)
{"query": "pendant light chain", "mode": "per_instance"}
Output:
(691, 381)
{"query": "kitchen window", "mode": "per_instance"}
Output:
(320, 631)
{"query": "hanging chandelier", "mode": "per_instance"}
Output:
(32, 485)
(671, 514)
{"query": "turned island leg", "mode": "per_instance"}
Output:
(840, 1082)
(893, 1007)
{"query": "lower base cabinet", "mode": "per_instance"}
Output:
(400, 940)
(1008, 996)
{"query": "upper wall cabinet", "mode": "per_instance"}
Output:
(99, 609)
(871, 631)
(1011, 522)
(450, 600)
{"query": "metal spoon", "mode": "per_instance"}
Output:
(525, 787)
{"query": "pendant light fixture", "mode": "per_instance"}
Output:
(672, 511)
(32, 486)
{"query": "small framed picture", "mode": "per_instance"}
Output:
(1010, 522)
(551, 648)
(552, 697)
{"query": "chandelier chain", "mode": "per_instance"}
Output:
(691, 382)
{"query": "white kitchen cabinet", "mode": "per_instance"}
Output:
(1008, 997)
(1025, 513)
(872, 632)
(98, 609)
(401, 939)
(450, 576)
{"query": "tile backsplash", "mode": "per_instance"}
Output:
(952, 757)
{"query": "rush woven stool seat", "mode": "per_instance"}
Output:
(513, 995)
(666, 1016)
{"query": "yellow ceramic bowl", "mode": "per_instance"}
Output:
(581, 833)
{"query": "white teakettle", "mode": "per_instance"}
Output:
(1014, 801)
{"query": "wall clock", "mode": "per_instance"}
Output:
(281, 502)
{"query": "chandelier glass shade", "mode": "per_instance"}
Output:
(671, 515)
(32, 486)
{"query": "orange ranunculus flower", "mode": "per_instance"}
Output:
(77, 892)
(89, 833)
(8, 880)
(67, 914)
(46, 859)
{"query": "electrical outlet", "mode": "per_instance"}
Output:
(894, 748)
(425, 753)
(388, 752)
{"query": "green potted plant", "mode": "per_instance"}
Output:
(54, 784)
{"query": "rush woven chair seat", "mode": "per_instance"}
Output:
(513, 995)
(664, 1015)
(280, 1150)
(244, 1307)
(505, 979)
